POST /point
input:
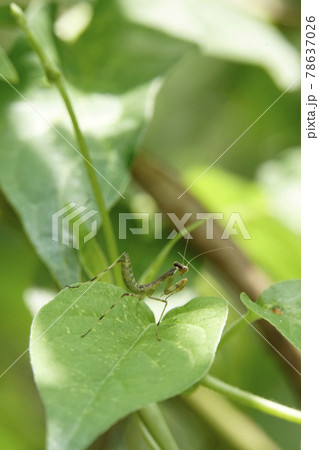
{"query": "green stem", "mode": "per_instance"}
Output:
(157, 427)
(251, 400)
(54, 75)
(237, 325)
(146, 434)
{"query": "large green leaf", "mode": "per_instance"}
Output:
(131, 42)
(220, 29)
(280, 305)
(41, 172)
(88, 384)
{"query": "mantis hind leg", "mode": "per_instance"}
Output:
(109, 309)
(97, 276)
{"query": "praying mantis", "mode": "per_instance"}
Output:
(141, 291)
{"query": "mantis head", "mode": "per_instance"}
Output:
(181, 268)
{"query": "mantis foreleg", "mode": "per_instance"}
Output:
(168, 290)
(176, 287)
(162, 314)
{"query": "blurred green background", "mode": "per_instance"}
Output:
(180, 81)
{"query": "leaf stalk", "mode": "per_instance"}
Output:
(153, 420)
(253, 401)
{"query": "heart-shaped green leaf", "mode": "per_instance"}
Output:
(88, 384)
(280, 305)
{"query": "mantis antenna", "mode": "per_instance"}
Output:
(185, 250)
(207, 251)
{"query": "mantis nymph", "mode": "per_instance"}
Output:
(141, 291)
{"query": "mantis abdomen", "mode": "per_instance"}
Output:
(143, 290)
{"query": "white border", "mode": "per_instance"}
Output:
(310, 247)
